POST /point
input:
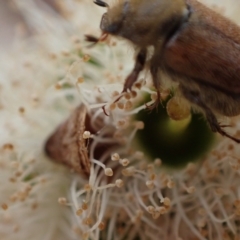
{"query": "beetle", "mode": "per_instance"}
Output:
(194, 45)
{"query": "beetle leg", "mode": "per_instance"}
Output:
(154, 69)
(133, 76)
(195, 98)
(139, 65)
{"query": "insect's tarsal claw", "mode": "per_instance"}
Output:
(121, 95)
(125, 89)
(216, 127)
(153, 106)
(104, 110)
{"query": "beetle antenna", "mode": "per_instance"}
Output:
(101, 3)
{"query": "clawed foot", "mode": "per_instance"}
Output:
(104, 110)
(155, 104)
(118, 98)
(152, 106)
(195, 97)
(216, 127)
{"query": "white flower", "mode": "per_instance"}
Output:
(126, 194)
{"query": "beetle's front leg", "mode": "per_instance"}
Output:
(195, 98)
(138, 67)
(133, 76)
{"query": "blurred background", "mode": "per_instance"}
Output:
(8, 22)
(13, 23)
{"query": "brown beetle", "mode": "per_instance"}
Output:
(195, 46)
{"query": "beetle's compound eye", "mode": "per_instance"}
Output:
(101, 3)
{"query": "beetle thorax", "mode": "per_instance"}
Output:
(140, 21)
